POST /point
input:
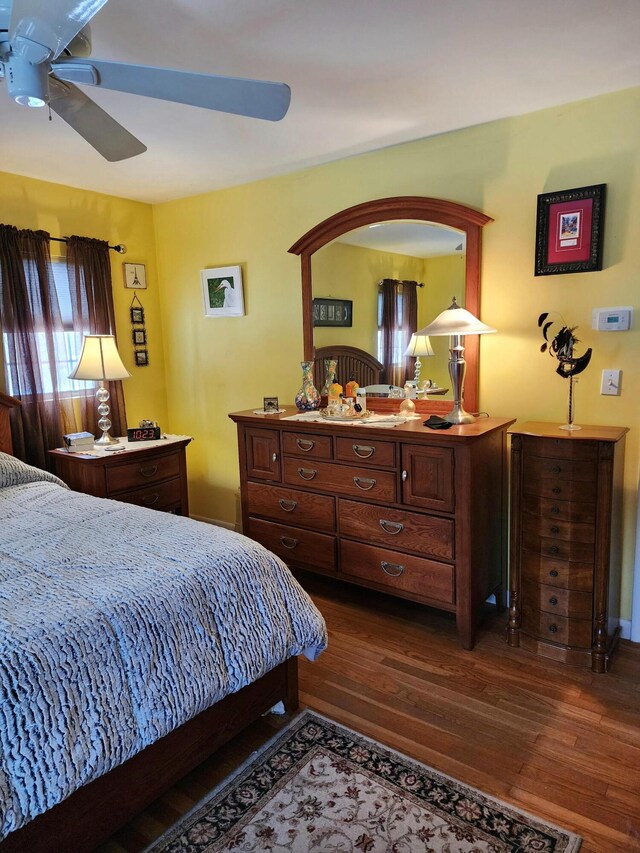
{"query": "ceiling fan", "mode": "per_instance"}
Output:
(44, 45)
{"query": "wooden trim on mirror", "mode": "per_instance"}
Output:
(421, 208)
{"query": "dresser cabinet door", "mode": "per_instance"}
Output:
(427, 477)
(263, 454)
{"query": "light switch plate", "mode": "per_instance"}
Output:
(611, 382)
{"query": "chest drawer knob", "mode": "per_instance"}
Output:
(391, 527)
(553, 573)
(305, 444)
(556, 490)
(148, 470)
(553, 600)
(555, 510)
(287, 506)
(554, 549)
(394, 570)
(307, 473)
(556, 469)
(364, 483)
(289, 542)
(554, 529)
(553, 629)
(364, 451)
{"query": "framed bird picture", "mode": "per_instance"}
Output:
(222, 292)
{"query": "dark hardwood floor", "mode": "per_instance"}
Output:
(554, 740)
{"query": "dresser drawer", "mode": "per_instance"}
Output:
(552, 528)
(579, 512)
(565, 470)
(341, 479)
(558, 573)
(558, 549)
(563, 602)
(291, 506)
(128, 475)
(397, 571)
(560, 489)
(556, 629)
(561, 448)
(365, 452)
(293, 545)
(396, 528)
(155, 496)
(305, 444)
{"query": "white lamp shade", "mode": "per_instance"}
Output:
(455, 321)
(99, 360)
(419, 345)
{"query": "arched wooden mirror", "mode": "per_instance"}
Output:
(432, 241)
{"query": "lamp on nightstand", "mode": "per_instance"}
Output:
(419, 345)
(101, 362)
(456, 322)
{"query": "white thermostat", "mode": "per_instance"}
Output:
(612, 319)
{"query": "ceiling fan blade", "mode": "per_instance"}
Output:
(92, 123)
(43, 28)
(254, 98)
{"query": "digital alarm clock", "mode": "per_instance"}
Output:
(150, 433)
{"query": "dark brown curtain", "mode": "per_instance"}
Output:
(89, 271)
(30, 321)
(397, 321)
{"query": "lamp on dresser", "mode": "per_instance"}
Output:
(456, 322)
(100, 362)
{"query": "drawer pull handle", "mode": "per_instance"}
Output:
(368, 483)
(391, 527)
(553, 600)
(556, 469)
(554, 549)
(555, 510)
(553, 629)
(289, 542)
(394, 570)
(149, 500)
(555, 529)
(274, 457)
(307, 473)
(553, 573)
(556, 490)
(287, 506)
(364, 451)
(149, 471)
(305, 444)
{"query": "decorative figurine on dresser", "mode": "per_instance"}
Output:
(566, 494)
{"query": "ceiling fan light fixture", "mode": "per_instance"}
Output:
(27, 84)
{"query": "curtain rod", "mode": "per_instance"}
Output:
(398, 281)
(120, 248)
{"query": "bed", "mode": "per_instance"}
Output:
(133, 644)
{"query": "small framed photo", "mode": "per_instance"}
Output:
(569, 231)
(222, 292)
(142, 357)
(135, 276)
(332, 312)
(270, 405)
(137, 315)
(139, 337)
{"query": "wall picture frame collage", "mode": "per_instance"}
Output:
(138, 333)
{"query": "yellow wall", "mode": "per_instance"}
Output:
(444, 277)
(214, 366)
(63, 211)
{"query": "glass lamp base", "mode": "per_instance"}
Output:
(570, 427)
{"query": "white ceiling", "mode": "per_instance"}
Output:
(407, 237)
(364, 74)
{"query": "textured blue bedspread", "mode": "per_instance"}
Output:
(118, 624)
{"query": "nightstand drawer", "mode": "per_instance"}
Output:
(563, 602)
(291, 506)
(552, 528)
(557, 629)
(399, 529)
(578, 512)
(559, 489)
(155, 496)
(292, 544)
(558, 549)
(560, 448)
(565, 470)
(129, 475)
(559, 573)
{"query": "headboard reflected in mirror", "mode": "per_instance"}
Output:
(6, 404)
(403, 215)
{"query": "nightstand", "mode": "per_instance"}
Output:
(151, 474)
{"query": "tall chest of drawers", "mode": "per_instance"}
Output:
(416, 513)
(566, 492)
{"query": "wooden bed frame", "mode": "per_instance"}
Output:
(97, 810)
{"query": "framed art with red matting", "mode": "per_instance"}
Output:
(569, 231)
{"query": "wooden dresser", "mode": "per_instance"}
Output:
(152, 475)
(566, 493)
(403, 509)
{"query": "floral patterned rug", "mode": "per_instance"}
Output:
(320, 787)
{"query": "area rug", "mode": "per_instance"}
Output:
(319, 787)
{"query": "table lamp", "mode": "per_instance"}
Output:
(100, 361)
(456, 322)
(419, 345)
